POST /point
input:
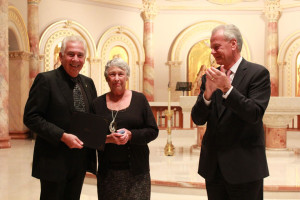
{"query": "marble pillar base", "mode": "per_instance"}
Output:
(5, 142)
(276, 138)
(200, 132)
(19, 135)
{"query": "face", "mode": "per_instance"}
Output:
(116, 79)
(222, 49)
(73, 58)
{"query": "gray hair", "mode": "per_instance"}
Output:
(117, 62)
(231, 32)
(72, 38)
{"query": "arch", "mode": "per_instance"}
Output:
(124, 37)
(17, 29)
(192, 35)
(287, 59)
(55, 33)
(182, 45)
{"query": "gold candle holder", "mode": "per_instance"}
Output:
(169, 148)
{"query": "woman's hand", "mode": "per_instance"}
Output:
(121, 137)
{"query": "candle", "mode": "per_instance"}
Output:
(169, 100)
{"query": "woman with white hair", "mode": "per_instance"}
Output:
(124, 163)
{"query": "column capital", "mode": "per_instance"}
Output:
(19, 55)
(174, 63)
(149, 10)
(36, 2)
(94, 60)
(272, 10)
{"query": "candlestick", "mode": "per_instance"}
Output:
(169, 148)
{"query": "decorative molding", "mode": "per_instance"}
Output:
(195, 33)
(287, 59)
(189, 5)
(272, 10)
(33, 2)
(122, 36)
(225, 2)
(19, 55)
(174, 63)
(17, 25)
(149, 10)
(50, 44)
(94, 60)
(55, 33)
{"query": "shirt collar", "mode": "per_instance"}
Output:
(73, 79)
(236, 65)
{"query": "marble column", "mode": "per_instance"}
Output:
(33, 34)
(174, 76)
(4, 73)
(275, 135)
(148, 14)
(140, 73)
(18, 92)
(95, 73)
(272, 14)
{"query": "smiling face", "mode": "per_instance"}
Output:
(116, 79)
(73, 58)
(223, 50)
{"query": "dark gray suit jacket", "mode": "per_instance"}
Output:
(234, 137)
(47, 113)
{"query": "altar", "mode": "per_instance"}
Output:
(280, 112)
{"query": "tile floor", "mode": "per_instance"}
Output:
(173, 177)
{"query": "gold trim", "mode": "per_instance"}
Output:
(57, 31)
(124, 37)
(287, 58)
(71, 25)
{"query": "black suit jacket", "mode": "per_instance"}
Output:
(47, 113)
(234, 137)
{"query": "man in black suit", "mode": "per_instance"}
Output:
(232, 102)
(60, 161)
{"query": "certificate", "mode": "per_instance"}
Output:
(91, 129)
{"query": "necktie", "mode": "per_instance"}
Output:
(228, 74)
(78, 98)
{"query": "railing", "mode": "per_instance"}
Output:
(161, 119)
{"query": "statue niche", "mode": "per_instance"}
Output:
(199, 60)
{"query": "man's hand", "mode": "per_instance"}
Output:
(72, 141)
(218, 78)
(210, 87)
